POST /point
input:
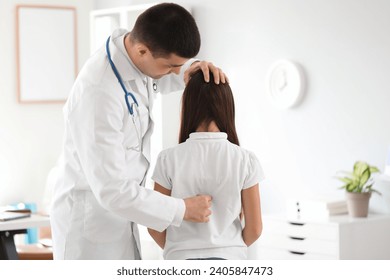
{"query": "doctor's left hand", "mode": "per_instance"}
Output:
(206, 67)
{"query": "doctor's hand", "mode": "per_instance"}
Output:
(206, 67)
(197, 209)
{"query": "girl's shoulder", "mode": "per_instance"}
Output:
(243, 151)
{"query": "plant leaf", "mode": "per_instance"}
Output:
(375, 191)
(351, 187)
(365, 176)
(368, 188)
(345, 179)
(359, 167)
(374, 169)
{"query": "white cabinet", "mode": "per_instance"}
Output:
(338, 237)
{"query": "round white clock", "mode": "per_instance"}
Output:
(285, 83)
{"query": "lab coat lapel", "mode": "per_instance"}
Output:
(149, 129)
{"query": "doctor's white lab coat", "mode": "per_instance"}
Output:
(99, 195)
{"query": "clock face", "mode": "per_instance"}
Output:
(285, 84)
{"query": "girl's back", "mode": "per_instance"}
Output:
(207, 163)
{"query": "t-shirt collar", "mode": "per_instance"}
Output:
(208, 135)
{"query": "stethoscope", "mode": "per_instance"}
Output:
(130, 106)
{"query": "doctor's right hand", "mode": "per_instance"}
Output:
(198, 209)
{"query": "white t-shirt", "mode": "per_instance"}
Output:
(207, 163)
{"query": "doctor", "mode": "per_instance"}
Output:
(99, 196)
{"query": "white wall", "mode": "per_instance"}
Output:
(343, 47)
(30, 135)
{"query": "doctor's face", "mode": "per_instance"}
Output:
(160, 66)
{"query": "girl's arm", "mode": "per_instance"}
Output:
(250, 199)
(159, 237)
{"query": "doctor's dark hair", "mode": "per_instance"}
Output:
(203, 103)
(166, 29)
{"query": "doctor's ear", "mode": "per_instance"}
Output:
(142, 49)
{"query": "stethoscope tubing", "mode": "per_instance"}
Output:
(118, 76)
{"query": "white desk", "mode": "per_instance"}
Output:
(9, 228)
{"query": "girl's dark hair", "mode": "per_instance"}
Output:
(203, 103)
(167, 28)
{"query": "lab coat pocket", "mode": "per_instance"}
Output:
(133, 137)
(102, 226)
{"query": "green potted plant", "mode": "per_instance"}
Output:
(358, 185)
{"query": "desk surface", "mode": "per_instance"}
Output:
(30, 222)
(344, 219)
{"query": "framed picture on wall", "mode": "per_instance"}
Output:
(46, 41)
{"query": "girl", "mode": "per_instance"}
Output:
(208, 160)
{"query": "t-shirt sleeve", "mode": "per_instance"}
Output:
(160, 174)
(254, 170)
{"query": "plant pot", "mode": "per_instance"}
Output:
(357, 203)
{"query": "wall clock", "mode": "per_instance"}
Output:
(285, 84)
